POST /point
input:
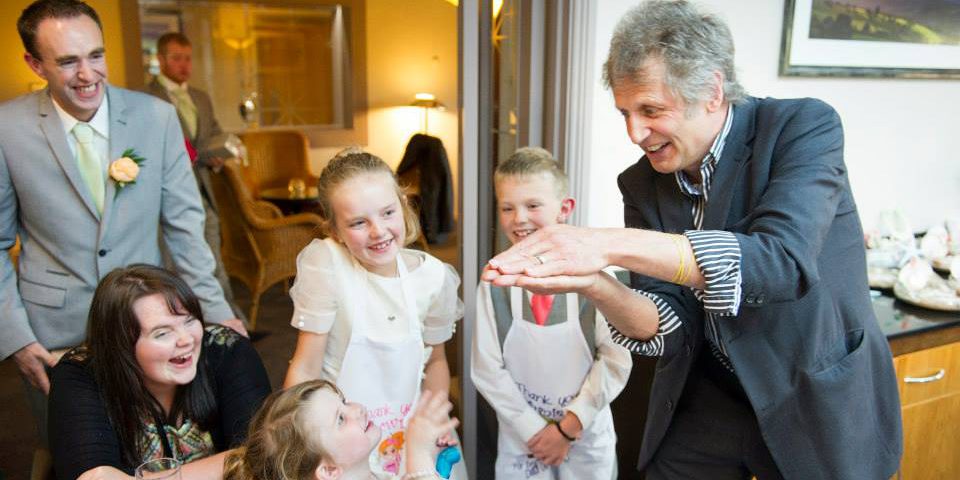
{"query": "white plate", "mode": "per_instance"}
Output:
(879, 277)
(942, 264)
(938, 295)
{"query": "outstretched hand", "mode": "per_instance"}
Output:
(555, 259)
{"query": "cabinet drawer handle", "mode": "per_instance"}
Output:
(932, 378)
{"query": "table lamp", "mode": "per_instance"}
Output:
(426, 101)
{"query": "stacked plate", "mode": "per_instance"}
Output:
(918, 284)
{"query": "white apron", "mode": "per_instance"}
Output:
(549, 382)
(384, 375)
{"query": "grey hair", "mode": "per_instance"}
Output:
(692, 45)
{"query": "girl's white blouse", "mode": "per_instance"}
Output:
(319, 289)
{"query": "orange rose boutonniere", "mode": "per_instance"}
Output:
(125, 169)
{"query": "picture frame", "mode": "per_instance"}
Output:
(154, 22)
(870, 38)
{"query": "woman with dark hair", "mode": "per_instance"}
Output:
(151, 381)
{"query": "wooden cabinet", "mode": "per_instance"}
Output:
(929, 385)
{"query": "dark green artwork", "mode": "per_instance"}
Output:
(933, 22)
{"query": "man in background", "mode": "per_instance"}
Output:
(199, 124)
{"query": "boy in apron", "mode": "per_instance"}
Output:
(546, 364)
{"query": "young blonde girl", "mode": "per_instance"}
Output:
(373, 316)
(310, 432)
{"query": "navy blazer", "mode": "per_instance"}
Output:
(805, 343)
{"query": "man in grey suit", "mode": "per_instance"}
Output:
(747, 263)
(76, 221)
(199, 124)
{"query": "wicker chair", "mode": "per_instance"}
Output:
(260, 245)
(274, 157)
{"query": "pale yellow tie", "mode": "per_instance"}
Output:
(89, 162)
(186, 109)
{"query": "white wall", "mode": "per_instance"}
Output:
(902, 136)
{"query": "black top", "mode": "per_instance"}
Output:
(81, 434)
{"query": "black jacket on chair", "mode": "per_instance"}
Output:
(426, 153)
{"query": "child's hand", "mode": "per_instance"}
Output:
(549, 446)
(446, 440)
(429, 424)
(492, 274)
(583, 284)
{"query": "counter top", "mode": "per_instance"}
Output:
(909, 328)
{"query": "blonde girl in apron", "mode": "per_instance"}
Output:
(373, 316)
(533, 374)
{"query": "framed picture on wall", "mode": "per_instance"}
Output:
(154, 22)
(871, 38)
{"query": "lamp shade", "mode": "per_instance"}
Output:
(427, 100)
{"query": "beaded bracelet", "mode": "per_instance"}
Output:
(421, 474)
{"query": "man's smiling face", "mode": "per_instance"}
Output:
(73, 63)
(674, 135)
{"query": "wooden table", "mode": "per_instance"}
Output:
(910, 328)
(290, 203)
(926, 356)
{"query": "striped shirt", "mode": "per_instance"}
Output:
(716, 252)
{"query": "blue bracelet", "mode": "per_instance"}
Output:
(446, 459)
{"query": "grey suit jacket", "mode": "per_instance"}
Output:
(67, 246)
(805, 344)
(207, 125)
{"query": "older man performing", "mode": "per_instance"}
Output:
(747, 258)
